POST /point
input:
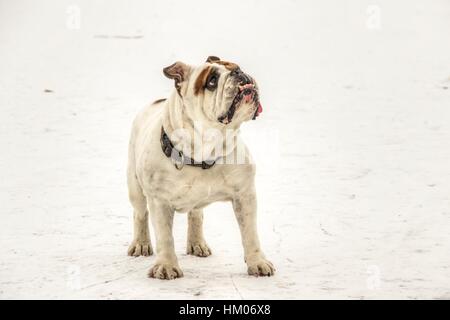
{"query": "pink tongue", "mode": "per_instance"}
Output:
(259, 108)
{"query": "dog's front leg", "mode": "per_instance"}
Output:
(244, 206)
(196, 244)
(166, 265)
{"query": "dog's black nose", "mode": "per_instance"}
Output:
(247, 91)
(241, 77)
(235, 72)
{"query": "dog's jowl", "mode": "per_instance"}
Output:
(185, 153)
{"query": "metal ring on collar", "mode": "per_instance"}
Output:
(179, 164)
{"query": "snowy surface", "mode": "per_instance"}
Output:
(354, 197)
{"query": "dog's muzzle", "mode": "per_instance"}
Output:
(247, 94)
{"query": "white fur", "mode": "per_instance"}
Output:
(156, 186)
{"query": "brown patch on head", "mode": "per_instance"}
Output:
(212, 59)
(229, 65)
(201, 79)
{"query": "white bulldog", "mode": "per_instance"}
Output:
(185, 153)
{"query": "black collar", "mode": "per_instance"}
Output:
(178, 158)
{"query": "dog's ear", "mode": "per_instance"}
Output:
(178, 71)
(212, 59)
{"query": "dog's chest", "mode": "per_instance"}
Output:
(190, 189)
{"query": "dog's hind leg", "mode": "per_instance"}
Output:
(141, 244)
(196, 244)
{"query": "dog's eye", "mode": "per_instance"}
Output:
(211, 83)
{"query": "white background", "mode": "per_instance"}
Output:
(353, 146)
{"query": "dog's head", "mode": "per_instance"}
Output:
(217, 91)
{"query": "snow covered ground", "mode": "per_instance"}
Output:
(354, 197)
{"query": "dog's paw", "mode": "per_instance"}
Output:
(199, 249)
(138, 248)
(165, 271)
(260, 267)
